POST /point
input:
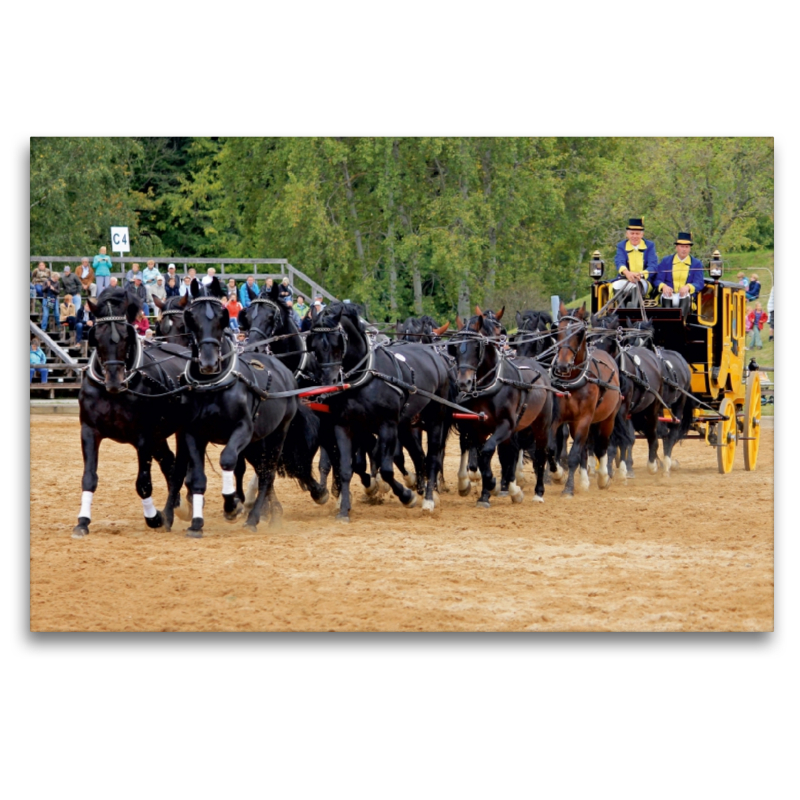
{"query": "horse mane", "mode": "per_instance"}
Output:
(112, 299)
(347, 310)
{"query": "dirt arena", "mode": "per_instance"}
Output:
(688, 552)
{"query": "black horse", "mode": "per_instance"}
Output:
(130, 395)
(170, 326)
(642, 387)
(270, 322)
(389, 390)
(231, 402)
(677, 386)
(423, 330)
(514, 400)
(534, 338)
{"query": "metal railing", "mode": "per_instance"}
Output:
(220, 264)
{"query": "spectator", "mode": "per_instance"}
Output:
(102, 270)
(83, 319)
(285, 292)
(301, 307)
(85, 274)
(248, 291)
(771, 312)
(142, 324)
(234, 307)
(268, 284)
(755, 322)
(39, 278)
(38, 360)
(131, 274)
(138, 291)
(318, 299)
(173, 288)
(192, 274)
(72, 286)
(68, 312)
(148, 334)
(209, 276)
(295, 316)
(754, 289)
(231, 287)
(186, 285)
(52, 289)
(740, 279)
(112, 282)
(157, 290)
(172, 274)
(150, 274)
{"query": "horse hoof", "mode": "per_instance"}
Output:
(412, 503)
(248, 526)
(568, 494)
(518, 497)
(190, 534)
(603, 481)
(501, 493)
(167, 526)
(473, 475)
(465, 492)
(652, 467)
(80, 531)
(195, 530)
(483, 504)
(675, 464)
(410, 480)
(345, 518)
(382, 485)
(230, 516)
(323, 498)
(559, 475)
(373, 488)
(538, 499)
(428, 505)
(155, 522)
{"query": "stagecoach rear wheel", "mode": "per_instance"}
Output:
(726, 436)
(752, 420)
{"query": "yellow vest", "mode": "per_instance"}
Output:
(636, 257)
(680, 272)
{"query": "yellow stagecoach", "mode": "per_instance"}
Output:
(712, 340)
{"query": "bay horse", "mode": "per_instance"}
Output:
(590, 383)
(231, 403)
(511, 396)
(389, 391)
(128, 396)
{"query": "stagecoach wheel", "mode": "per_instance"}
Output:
(726, 442)
(752, 420)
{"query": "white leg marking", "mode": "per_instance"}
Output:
(623, 469)
(474, 475)
(86, 505)
(652, 467)
(252, 491)
(537, 499)
(197, 506)
(410, 480)
(149, 507)
(428, 505)
(558, 475)
(602, 472)
(519, 475)
(436, 500)
(667, 464)
(228, 482)
(463, 480)
(515, 493)
(584, 479)
(373, 487)
(382, 485)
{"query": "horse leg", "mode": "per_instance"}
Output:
(168, 465)
(144, 484)
(584, 471)
(464, 485)
(228, 462)
(264, 456)
(90, 445)
(387, 439)
(579, 435)
(175, 503)
(602, 436)
(559, 441)
(413, 443)
(344, 445)
(433, 461)
(540, 456)
(519, 472)
(474, 466)
(485, 453)
(508, 453)
(196, 481)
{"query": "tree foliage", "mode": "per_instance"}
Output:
(405, 225)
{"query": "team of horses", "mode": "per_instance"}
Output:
(362, 401)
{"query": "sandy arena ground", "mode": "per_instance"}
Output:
(688, 552)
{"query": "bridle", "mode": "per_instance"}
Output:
(114, 362)
(262, 301)
(563, 370)
(345, 340)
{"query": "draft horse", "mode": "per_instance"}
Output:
(589, 382)
(130, 395)
(231, 401)
(512, 397)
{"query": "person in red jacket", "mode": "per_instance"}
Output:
(142, 324)
(755, 322)
(234, 307)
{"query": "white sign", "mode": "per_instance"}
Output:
(120, 241)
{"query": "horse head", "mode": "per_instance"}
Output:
(609, 342)
(114, 337)
(644, 337)
(171, 324)
(206, 320)
(473, 358)
(265, 317)
(329, 339)
(570, 340)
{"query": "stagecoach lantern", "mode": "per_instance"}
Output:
(596, 265)
(715, 266)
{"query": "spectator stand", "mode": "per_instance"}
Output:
(65, 364)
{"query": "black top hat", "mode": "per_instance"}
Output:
(635, 224)
(684, 238)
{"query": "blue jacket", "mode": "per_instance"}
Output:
(650, 258)
(244, 295)
(695, 276)
(38, 357)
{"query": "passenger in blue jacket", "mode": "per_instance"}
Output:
(636, 262)
(680, 275)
